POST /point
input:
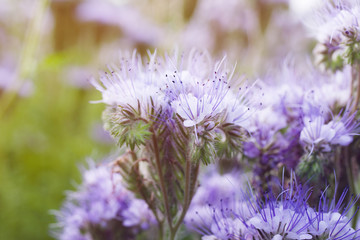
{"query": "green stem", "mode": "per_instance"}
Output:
(161, 179)
(356, 75)
(135, 170)
(186, 197)
(191, 169)
(350, 179)
(27, 61)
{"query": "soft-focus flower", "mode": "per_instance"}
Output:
(216, 22)
(132, 23)
(102, 205)
(316, 132)
(78, 76)
(214, 204)
(321, 134)
(337, 30)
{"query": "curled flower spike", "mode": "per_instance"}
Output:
(132, 84)
(192, 86)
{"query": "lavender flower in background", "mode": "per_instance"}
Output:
(100, 135)
(295, 118)
(221, 25)
(102, 208)
(14, 75)
(78, 76)
(135, 27)
(336, 28)
(9, 81)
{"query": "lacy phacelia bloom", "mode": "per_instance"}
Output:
(192, 86)
(214, 204)
(319, 134)
(284, 216)
(330, 220)
(242, 105)
(336, 27)
(102, 206)
(132, 85)
(197, 92)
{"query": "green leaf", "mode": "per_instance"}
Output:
(134, 134)
(206, 152)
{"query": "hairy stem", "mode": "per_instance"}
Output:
(357, 76)
(191, 174)
(135, 170)
(161, 179)
(350, 179)
(186, 197)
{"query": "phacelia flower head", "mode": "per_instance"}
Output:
(330, 220)
(336, 27)
(191, 85)
(215, 204)
(196, 93)
(102, 206)
(319, 133)
(132, 84)
(287, 215)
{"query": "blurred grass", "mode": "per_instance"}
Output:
(44, 138)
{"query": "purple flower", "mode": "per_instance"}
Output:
(132, 84)
(132, 23)
(330, 221)
(336, 27)
(196, 93)
(102, 205)
(78, 76)
(243, 106)
(217, 199)
(319, 134)
(286, 215)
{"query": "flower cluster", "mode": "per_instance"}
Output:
(336, 28)
(286, 215)
(192, 87)
(102, 208)
(297, 119)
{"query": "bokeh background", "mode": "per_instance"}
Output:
(50, 49)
